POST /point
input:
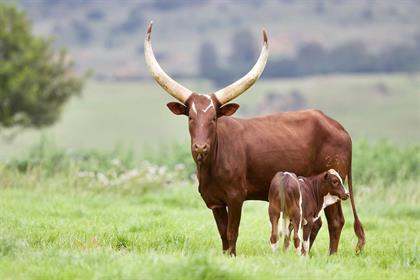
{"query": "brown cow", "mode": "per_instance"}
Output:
(300, 201)
(237, 158)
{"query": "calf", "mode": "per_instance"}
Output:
(300, 201)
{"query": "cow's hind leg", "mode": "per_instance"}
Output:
(221, 218)
(274, 215)
(234, 218)
(335, 218)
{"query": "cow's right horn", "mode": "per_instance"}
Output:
(167, 83)
(237, 88)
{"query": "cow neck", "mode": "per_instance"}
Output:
(205, 169)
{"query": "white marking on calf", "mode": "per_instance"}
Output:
(284, 227)
(283, 231)
(306, 246)
(288, 173)
(300, 219)
(335, 173)
(286, 222)
(281, 227)
(328, 200)
(273, 247)
(300, 211)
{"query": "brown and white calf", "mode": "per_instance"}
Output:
(300, 201)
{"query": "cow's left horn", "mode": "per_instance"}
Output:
(237, 88)
(167, 83)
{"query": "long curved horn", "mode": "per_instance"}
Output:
(167, 83)
(237, 88)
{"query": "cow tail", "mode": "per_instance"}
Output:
(358, 227)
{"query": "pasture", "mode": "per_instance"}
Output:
(89, 209)
(90, 215)
(371, 107)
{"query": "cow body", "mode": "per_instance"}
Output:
(248, 152)
(300, 201)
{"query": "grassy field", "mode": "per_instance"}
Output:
(93, 215)
(135, 115)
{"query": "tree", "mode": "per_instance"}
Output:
(208, 60)
(244, 52)
(209, 68)
(35, 80)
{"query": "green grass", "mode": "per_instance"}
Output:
(56, 223)
(135, 115)
(171, 235)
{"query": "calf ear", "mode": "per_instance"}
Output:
(177, 108)
(227, 110)
(326, 175)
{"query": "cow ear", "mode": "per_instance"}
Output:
(177, 108)
(227, 110)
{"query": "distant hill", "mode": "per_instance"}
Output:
(107, 36)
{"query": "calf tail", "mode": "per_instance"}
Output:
(358, 228)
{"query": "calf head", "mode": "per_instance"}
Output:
(203, 110)
(333, 184)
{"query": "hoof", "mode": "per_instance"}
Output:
(273, 247)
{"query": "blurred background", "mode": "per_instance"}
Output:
(358, 61)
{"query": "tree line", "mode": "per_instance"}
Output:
(311, 59)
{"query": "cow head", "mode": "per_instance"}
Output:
(333, 185)
(203, 110)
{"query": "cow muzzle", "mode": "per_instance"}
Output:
(200, 151)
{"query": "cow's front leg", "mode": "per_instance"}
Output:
(335, 218)
(221, 218)
(234, 218)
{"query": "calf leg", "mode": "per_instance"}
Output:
(296, 221)
(316, 226)
(221, 218)
(287, 229)
(234, 218)
(274, 215)
(335, 218)
(306, 239)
